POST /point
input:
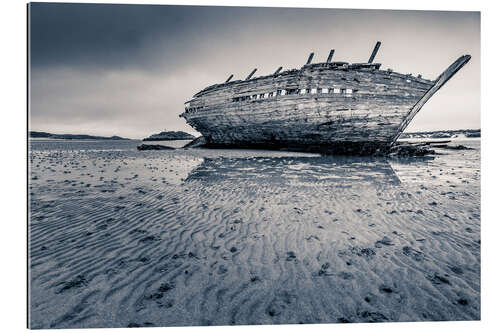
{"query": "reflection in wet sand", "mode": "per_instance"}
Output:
(121, 238)
(289, 171)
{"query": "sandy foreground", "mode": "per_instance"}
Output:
(121, 238)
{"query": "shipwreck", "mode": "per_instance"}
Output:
(330, 107)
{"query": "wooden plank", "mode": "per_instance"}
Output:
(330, 56)
(374, 52)
(251, 74)
(310, 58)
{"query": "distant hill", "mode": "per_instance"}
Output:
(33, 134)
(169, 135)
(469, 133)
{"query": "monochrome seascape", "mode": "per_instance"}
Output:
(127, 238)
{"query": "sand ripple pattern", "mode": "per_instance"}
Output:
(120, 238)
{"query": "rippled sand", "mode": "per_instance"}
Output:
(218, 237)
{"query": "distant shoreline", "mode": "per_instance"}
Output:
(469, 133)
(178, 135)
(77, 140)
(45, 135)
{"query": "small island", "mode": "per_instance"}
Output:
(169, 135)
(45, 135)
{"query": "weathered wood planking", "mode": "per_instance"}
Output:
(440, 81)
(372, 108)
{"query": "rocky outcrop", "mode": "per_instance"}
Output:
(441, 135)
(169, 135)
(409, 150)
(459, 147)
(154, 147)
(473, 134)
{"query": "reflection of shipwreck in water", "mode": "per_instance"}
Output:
(332, 107)
(334, 170)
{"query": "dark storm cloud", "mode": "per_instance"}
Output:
(111, 35)
(98, 35)
(128, 69)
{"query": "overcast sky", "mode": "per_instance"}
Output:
(127, 69)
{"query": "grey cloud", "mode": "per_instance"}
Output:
(127, 69)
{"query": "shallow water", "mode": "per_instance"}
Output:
(124, 238)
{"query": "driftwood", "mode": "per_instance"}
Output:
(198, 142)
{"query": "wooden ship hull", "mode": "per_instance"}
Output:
(330, 107)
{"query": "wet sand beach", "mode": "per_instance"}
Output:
(122, 238)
